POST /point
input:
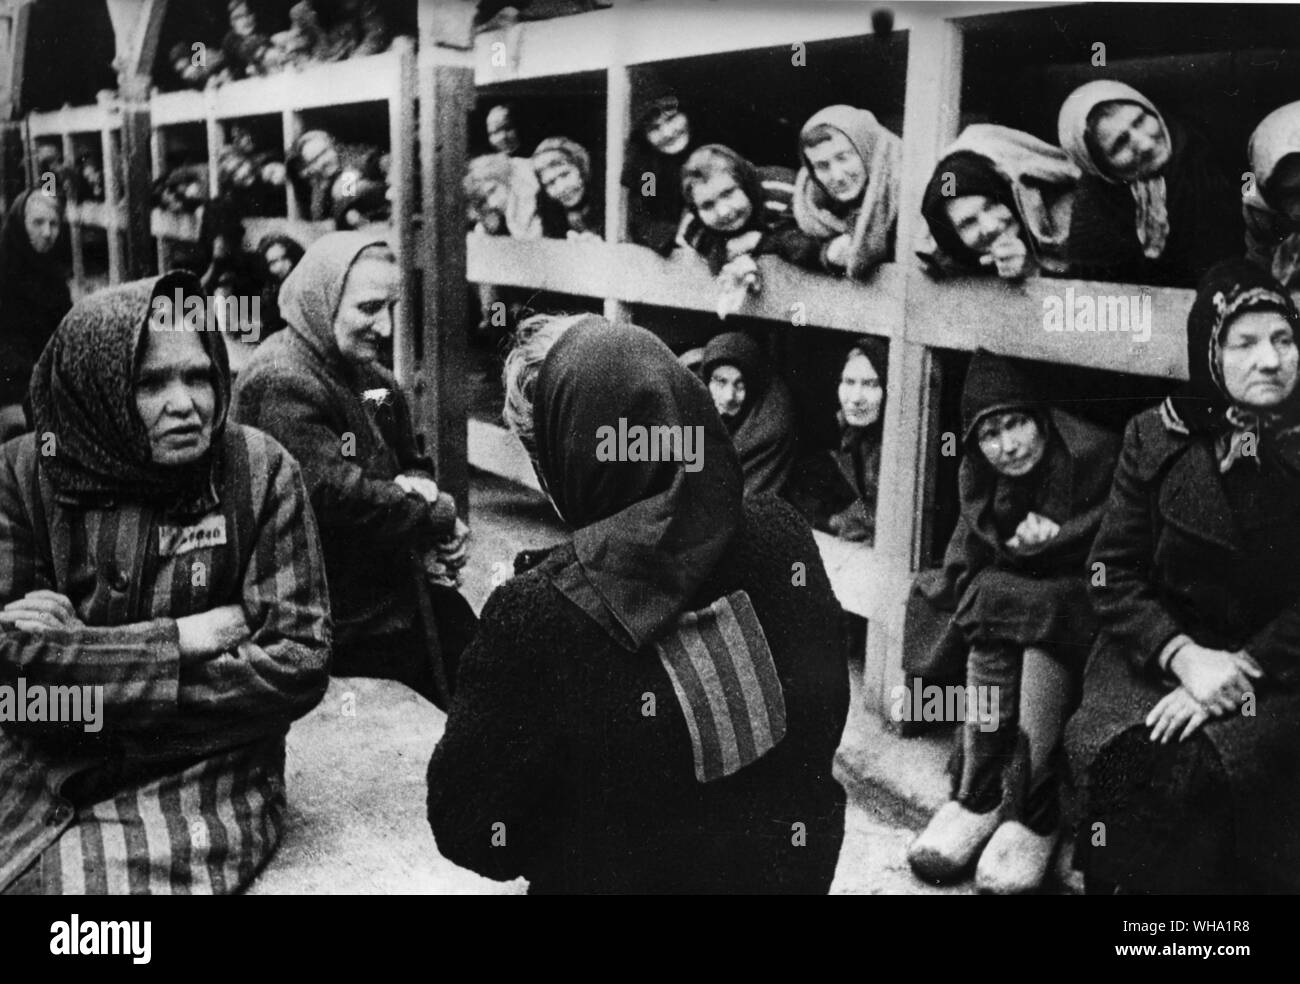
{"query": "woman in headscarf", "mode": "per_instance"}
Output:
(846, 193)
(755, 408)
(1270, 204)
(654, 708)
(1153, 206)
(662, 137)
(34, 297)
(1185, 743)
(151, 549)
(572, 204)
(1033, 486)
(999, 201)
(502, 193)
(277, 254)
(319, 388)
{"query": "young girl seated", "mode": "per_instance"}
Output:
(756, 408)
(1153, 207)
(571, 205)
(999, 201)
(1033, 487)
(846, 194)
(735, 212)
(1270, 205)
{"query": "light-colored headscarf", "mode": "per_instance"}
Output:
(882, 153)
(1276, 138)
(1149, 194)
(516, 174)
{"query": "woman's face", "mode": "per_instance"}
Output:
(860, 391)
(562, 181)
(979, 221)
(277, 262)
(1131, 141)
(174, 395)
(41, 219)
(1259, 359)
(838, 167)
(721, 203)
(365, 316)
(501, 132)
(727, 386)
(669, 132)
(495, 197)
(1012, 442)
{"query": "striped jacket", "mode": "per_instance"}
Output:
(183, 788)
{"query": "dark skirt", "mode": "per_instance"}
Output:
(1218, 813)
(1052, 613)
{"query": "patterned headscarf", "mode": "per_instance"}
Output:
(1149, 194)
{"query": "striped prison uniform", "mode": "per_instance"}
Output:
(183, 788)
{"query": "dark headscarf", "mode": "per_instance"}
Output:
(34, 298)
(648, 533)
(957, 175)
(877, 352)
(763, 431)
(272, 320)
(1203, 406)
(83, 394)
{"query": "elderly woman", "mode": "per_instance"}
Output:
(846, 193)
(999, 201)
(33, 297)
(654, 708)
(755, 407)
(1185, 744)
(1153, 206)
(1033, 487)
(318, 387)
(152, 550)
(572, 204)
(1270, 205)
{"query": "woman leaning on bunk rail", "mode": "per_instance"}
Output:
(1185, 743)
(656, 706)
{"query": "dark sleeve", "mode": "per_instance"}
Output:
(793, 245)
(497, 763)
(292, 409)
(648, 228)
(1103, 243)
(1070, 547)
(1212, 205)
(1125, 598)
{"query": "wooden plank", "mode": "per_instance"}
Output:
(170, 108)
(112, 203)
(137, 188)
(365, 79)
(291, 128)
(137, 25)
(402, 182)
(11, 87)
(618, 123)
(75, 238)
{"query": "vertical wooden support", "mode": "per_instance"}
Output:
(158, 166)
(446, 95)
(216, 134)
(112, 202)
(75, 236)
(135, 139)
(291, 125)
(618, 112)
(930, 121)
(401, 183)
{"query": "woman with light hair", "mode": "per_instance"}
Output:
(652, 708)
(572, 203)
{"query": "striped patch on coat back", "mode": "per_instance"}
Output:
(722, 671)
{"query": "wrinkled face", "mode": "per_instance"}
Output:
(365, 316)
(41, 219)
(721, 203)
(562, 181)
(277, 262)
(727, 385)
(320, 159)
(501, 132)
(174, 395)
(838, 167)
(1259, 359)
(1284, 187)
(669, 132)
(1012, 442)
(1130, 140)
(860, 391)
(979, 221)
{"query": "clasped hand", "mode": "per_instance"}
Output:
(1034, 530)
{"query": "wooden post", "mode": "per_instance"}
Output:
(14, 29)
(75, 237)
(446, 94)
(618, 112)
(112, 197)
(401, 183)
(930, 120)
(291, 124)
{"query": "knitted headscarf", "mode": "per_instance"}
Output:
(1149, 194)
(83, 395)
(871, 222)
(1203, 406)
(1276, 139)
(648, 532)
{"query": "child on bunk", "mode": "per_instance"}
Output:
(571, 204)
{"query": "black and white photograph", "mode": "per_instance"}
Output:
(650, 447)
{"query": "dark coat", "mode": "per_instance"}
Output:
(1176, 561)
(548, 735)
